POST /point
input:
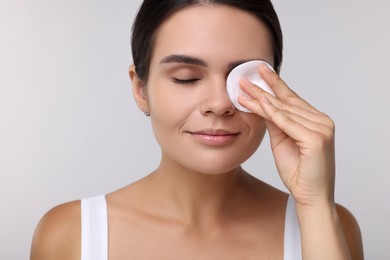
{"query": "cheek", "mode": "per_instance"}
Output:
(255, 123)
(169, 108)
(169, 100)
(256, 131)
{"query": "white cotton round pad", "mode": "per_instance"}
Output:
(250, 71)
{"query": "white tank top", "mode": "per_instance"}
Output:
(94, 230)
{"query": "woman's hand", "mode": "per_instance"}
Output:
(302, 139)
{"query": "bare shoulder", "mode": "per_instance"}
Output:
(351, 231)
(57, 235)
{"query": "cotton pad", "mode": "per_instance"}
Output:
(250, 71)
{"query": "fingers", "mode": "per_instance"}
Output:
(281, 89)
(254, 93)
(296, 126)
(301, 137)
(293, 115)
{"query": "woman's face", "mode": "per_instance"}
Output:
(193, 119)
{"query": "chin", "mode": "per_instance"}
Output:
(212, 161)
(214, 166)
(215, 170)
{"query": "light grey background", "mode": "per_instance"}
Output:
(69, 127)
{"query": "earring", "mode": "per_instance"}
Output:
(146, 113)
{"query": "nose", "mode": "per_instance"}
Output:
(216, 100)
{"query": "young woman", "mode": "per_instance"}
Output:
(199, 203)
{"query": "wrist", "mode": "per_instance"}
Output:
(322, 201)
(318, 209)
(321, 231)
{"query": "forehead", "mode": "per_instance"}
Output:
(217, 33)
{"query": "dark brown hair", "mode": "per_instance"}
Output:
(152, 14)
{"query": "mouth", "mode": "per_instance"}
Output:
(214, 132)
(215, 137)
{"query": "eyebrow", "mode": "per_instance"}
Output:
(186, 59)
(234, 64)
(175, 58)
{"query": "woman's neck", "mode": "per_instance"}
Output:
(199, 198)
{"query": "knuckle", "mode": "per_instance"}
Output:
(329, 123)
(256, 108)
(278, 79)
(324, 139)
(291, 96)
(285, 104)
(284, 119)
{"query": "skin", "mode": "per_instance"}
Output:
(200, 202)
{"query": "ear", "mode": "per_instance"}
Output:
(139, 90)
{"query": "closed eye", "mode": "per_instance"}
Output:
(185, 81)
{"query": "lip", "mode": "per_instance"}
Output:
(215, 137)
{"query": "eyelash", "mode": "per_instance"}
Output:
(185, 81)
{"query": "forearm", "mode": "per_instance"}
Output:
(321, 233)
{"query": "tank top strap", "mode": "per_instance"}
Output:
(94, 228)
(292, 235)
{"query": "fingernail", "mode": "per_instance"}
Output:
(265, 68)
(245, 81)
(245, 97)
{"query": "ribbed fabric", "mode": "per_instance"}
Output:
(94, 230)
